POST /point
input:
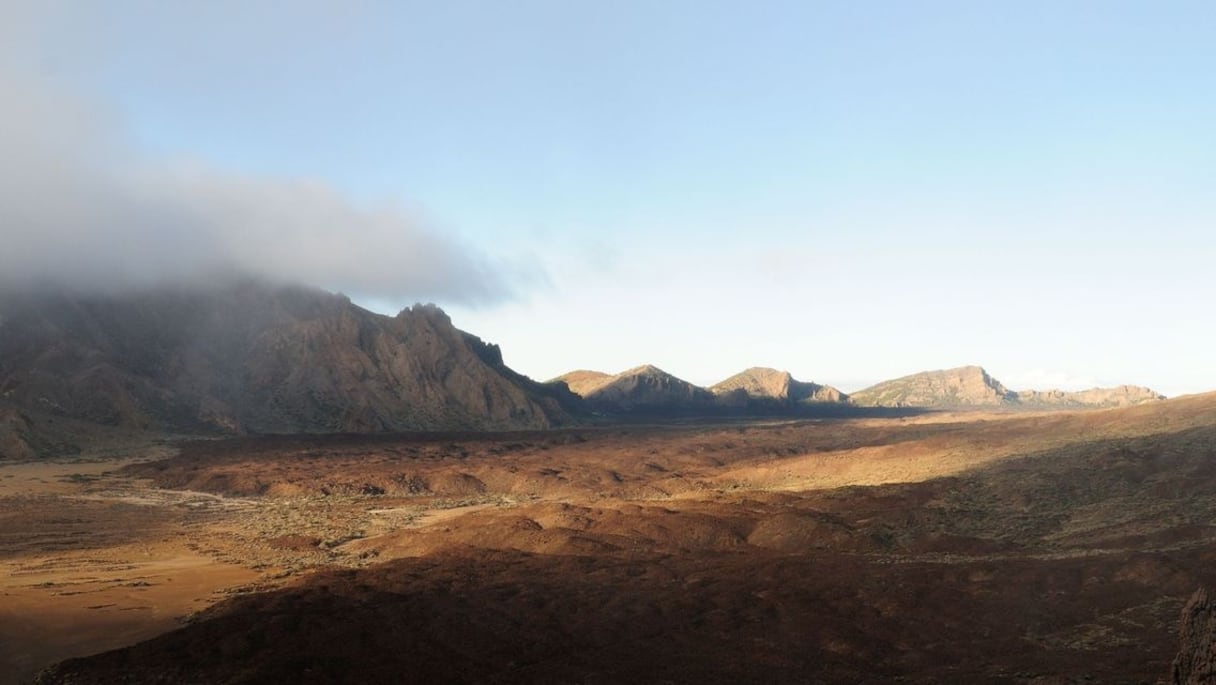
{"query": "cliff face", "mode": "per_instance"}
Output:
(254, 358)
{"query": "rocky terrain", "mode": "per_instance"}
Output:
(16, 435)
(969, 547)
(249, 357)
(1196, 660)
(972, 386)
(381, 499)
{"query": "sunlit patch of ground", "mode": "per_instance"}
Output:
(1034, 548)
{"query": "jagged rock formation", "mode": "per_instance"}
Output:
(643, 388)
(1196, 660)
(972, 386)
(249, 357)
(760, 384)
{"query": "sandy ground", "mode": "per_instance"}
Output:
(91, 560)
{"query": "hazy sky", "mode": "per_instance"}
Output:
(848, 190)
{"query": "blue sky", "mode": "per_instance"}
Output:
(848, 190)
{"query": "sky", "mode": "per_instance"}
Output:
(851, 191)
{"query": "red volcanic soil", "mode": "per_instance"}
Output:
(964, 549)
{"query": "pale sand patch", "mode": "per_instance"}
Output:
(80, 574)
(57, 607)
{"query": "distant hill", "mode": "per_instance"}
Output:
(966, 386)
(250, 357)
(644, 388)
(1119, 396)
(647, 389)
(761, 384)
(650, 389)
(972, 386)
(583, 382)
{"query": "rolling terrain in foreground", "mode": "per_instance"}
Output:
(947, 547)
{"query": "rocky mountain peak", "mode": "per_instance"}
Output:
(645, 370)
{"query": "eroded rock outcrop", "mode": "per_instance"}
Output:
(1196, 660)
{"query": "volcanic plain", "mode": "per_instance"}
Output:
(965, 547)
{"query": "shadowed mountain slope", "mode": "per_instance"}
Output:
(250, 357)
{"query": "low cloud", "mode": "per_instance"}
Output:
(80, 207)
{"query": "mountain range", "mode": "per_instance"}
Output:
(758, 387)
(250, 357)
(254, 358)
